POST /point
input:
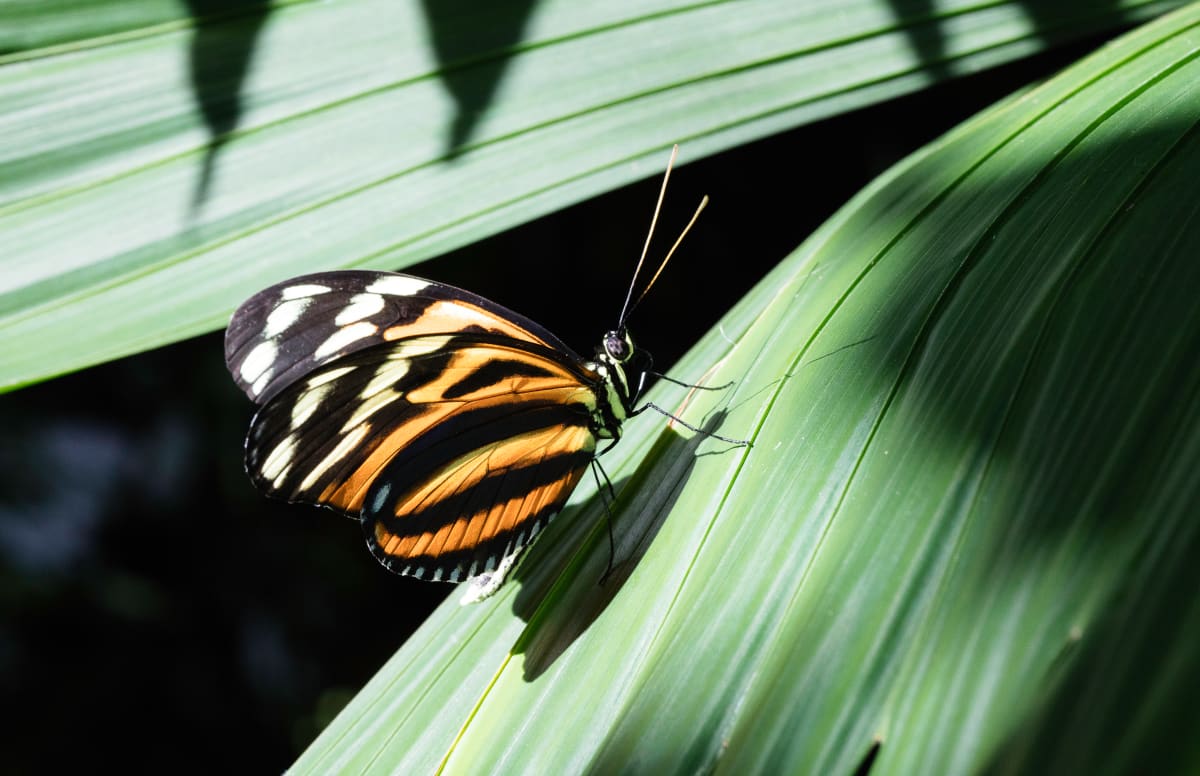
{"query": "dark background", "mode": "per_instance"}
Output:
(158, 612)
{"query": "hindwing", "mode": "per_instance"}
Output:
(481, 504)
(453, 449)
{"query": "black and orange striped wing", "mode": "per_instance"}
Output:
(454, 445)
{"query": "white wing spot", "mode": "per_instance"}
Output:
(279, 459)
(328, 377)
(260, 384)
(348, 443)
(381, 497)
(283, 316)
(388, 374)
(307, 289)
(343, 337)
(419, 346)
(258, 362)
(369, 407)
(398, 285)
(304, 408)
(361, 306)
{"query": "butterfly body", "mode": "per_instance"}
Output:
(453, 428)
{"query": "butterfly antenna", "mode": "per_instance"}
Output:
(653, 221)
(670, 253)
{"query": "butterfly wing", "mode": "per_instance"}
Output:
(481, 503)
(285, 332)
(454, 450)
(452, 427)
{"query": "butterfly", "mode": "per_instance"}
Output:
(452, 427)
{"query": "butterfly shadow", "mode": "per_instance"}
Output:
(565, 583)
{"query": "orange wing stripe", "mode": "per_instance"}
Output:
(506, 512)
(459, 315)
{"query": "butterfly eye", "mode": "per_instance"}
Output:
(618, 345)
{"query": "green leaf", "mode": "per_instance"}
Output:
(163, 161)
(965, 533)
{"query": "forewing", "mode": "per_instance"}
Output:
(284, 333)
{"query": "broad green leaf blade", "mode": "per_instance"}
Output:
(967, 522)
(156, 175)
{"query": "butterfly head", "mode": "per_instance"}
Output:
(623, 366)
(617, 346)
(617, 350)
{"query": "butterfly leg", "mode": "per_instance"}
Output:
(652, 406)
(612, 545)
(661, 376)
